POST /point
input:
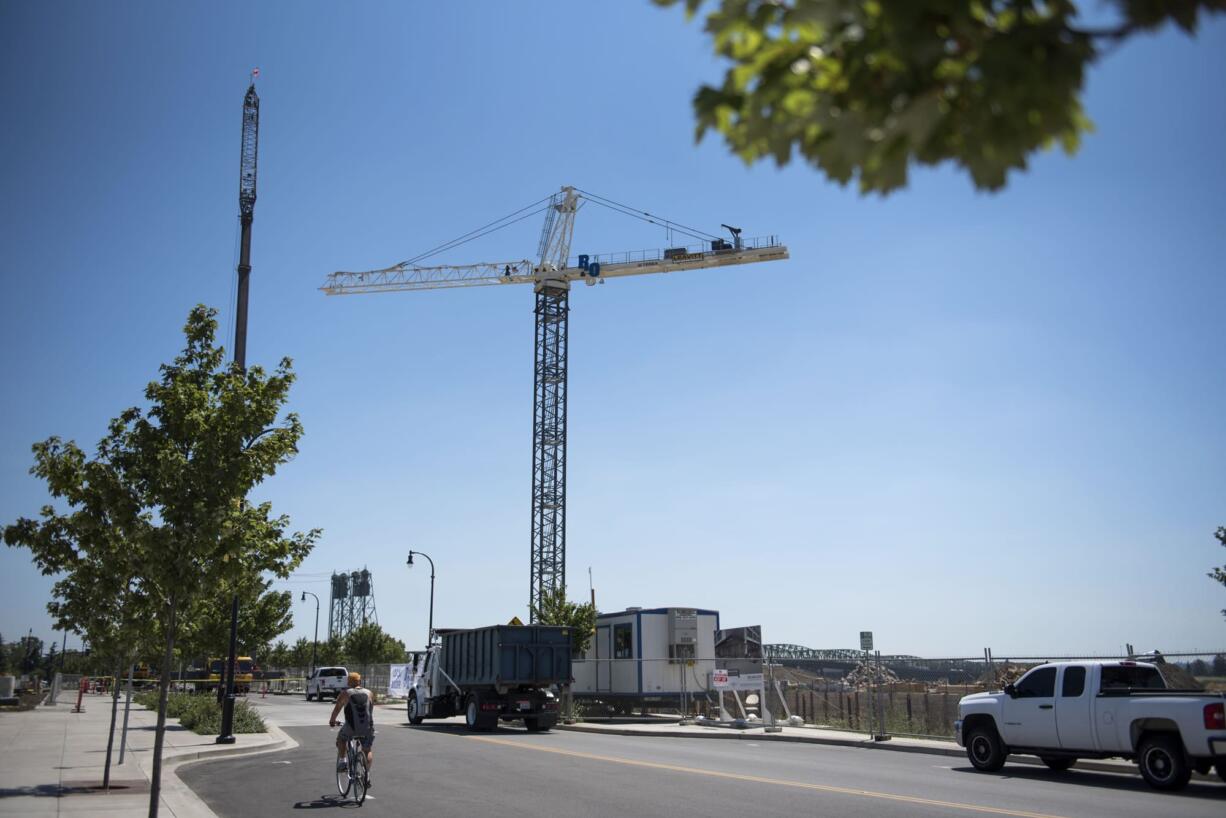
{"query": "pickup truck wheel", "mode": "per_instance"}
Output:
(310, 697)
(1162, 762)
(985, 750)
(414, 709)
(1057, 763)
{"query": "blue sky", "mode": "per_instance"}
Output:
(957, 419)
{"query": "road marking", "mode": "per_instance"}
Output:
(885, 796)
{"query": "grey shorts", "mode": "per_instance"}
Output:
(346, 733)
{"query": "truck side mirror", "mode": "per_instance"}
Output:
(1011, 690)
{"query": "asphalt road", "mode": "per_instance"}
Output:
(442, 770)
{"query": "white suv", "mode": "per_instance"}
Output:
(326, 681)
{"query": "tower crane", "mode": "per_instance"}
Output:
(551, 273)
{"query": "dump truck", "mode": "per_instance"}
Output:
(500, 672)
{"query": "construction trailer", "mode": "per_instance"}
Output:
(648, 657)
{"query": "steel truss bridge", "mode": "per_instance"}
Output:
(784, 651)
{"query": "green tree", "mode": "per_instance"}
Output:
(4, 656)
(864, 88)
(300, 653)
(1219, 574)
(555, 609)
(368, 644)
(182, 469)
(1219, 665)
(331, 652)
(277, 656)
(30, 650)
(263, 615)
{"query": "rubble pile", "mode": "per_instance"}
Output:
(997, 676)
(864, 675)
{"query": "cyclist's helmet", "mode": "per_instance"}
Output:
(355, 679)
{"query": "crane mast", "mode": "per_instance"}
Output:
(246, 214)
(551, 276)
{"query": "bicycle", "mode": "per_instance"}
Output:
(355, 775)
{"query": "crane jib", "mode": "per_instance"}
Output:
(588, 268)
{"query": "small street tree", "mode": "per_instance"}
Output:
(177, 475)
(263, 615)
(556, 609)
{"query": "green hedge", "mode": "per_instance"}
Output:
(201, 713)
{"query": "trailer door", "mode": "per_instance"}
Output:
(604, 653)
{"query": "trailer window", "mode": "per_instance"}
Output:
(623, 641)
(1074, 682)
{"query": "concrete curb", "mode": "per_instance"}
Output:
(1091, 765)
(181, 799)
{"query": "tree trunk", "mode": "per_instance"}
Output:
(110, 739)
(155, 780)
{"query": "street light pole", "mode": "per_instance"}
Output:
(430, 636)
(315, 643)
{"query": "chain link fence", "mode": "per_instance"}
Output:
(896, 695)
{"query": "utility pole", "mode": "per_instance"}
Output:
(246, 214)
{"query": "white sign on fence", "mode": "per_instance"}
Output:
(723, 680)
(399, 681)
(866, 640)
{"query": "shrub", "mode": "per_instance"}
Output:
(202, 714)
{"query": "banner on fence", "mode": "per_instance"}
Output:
(731, 680)
(400, 681)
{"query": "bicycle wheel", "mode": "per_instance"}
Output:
(342, 776)
(359, 776)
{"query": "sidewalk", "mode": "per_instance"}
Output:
(53, 761)
(816, 735)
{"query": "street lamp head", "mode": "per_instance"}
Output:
(303, 597)
(411, 557)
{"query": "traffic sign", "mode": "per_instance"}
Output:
(866, 640)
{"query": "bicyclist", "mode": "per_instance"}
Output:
(359, 721)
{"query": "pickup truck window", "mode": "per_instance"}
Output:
(1074, 682)
(1123, 676)
(332, 671)
(1039, 683)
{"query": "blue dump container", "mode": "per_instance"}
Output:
(506, 656)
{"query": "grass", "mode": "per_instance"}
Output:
(202, 714)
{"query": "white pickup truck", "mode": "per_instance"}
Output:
(326, 681)
(1069, 710)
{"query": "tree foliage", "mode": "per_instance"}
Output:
(368, 643)
(864, 88)
(1219, 574)
(263, 615)
(166, 492)
(556, 609)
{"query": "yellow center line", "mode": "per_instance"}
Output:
(779, 782)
